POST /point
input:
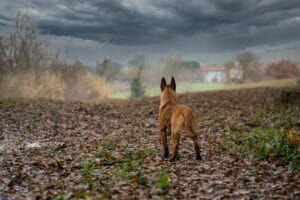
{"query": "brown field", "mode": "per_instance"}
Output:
(62, 150)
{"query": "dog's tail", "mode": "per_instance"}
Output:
(190, 124)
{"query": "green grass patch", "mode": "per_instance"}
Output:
(263, 143)
(295, 82)
(7, 102)
(121, 95)
(108, 144)
(272, 134)
(60, 196)
(162, 182)
(129, 167)
(162, 179)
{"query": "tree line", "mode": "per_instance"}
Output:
(246, 67)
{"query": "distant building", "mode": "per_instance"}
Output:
(215, 74)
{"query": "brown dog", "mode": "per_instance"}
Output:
(174, 117)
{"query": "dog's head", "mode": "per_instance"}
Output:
(168, 90)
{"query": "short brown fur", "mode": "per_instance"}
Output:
(174, 117)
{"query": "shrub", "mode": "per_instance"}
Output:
(136, 88)
(51, 85)
(283, 69)
(262, 143)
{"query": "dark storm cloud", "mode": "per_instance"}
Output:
(99, 20)
(230, 24)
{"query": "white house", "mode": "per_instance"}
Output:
(214, 74)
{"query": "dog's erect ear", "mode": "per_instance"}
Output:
(163, 83)
(173, 84)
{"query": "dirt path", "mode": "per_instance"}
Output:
(112, 150)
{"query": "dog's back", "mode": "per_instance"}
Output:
(179, 116)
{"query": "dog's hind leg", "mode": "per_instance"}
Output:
(175, 139)
(163, 136)
(177, 123)
(197, 147)
(190, 129)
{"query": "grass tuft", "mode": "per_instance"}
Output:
(162, 179)
(7, 102)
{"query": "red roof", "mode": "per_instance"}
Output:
(213, 68)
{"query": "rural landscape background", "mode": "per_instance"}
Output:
(79, 108)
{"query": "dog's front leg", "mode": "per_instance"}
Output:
(163, 136)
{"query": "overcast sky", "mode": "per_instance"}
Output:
(209, 31)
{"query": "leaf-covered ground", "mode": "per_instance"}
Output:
(64, 150)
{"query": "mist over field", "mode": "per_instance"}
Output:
(81, 116)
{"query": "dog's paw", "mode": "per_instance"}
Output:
(174, 158)
(198, 157)
(166, 154)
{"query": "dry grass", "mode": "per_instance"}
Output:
(50, 85)
(119, 87)
(29, 69)
(269, 83)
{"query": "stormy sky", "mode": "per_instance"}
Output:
(209, 31)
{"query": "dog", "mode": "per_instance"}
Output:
(173, 117)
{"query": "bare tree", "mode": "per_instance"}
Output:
(22, 50)
(245, 67)
(138, 61)
(172, 66)
(101, 68)
(250, 66)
